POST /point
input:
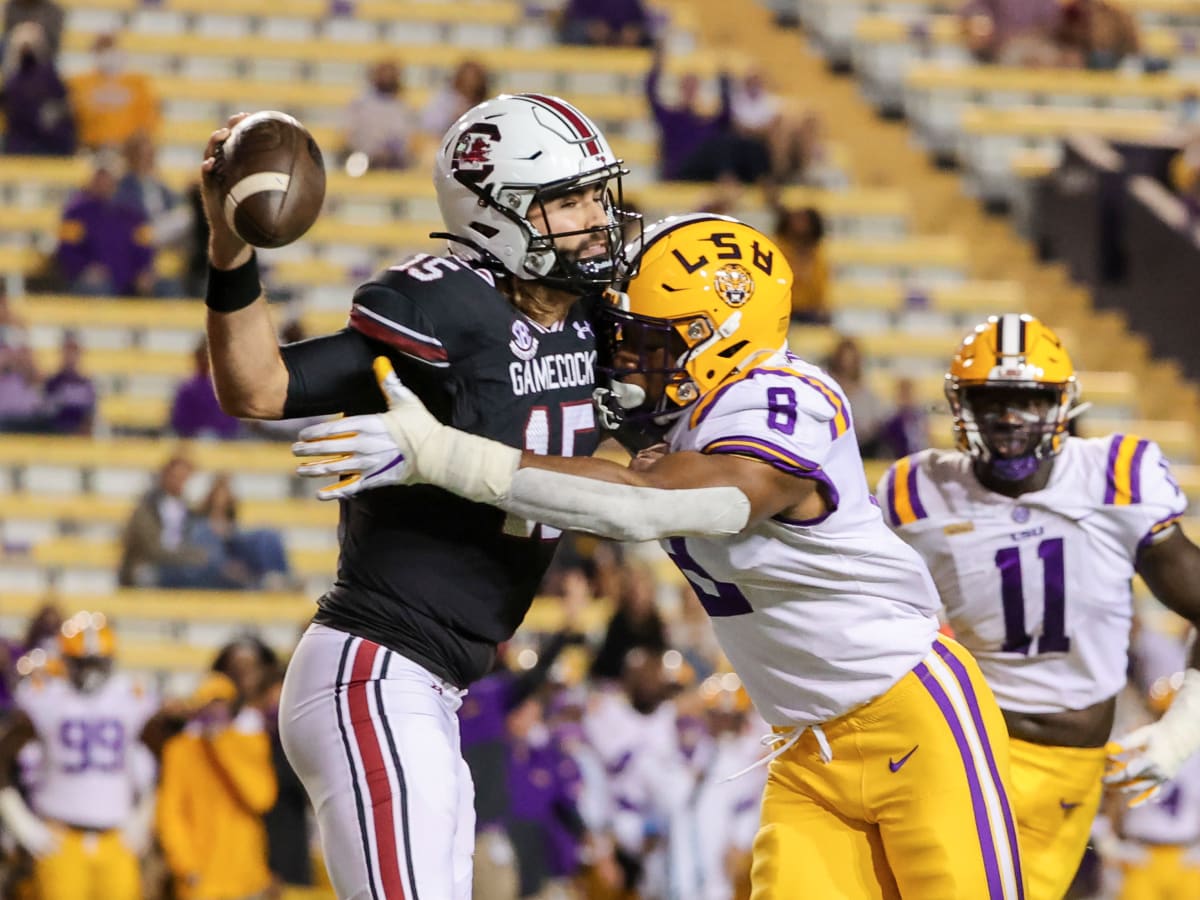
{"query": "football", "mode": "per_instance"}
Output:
(272, 179)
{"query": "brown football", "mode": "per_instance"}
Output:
(272, 179)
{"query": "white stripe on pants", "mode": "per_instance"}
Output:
(374, 738)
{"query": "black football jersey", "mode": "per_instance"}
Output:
(435, 577)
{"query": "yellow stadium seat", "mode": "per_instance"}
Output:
(1055, 122)
(143, 453)
(1094, 87)
(983, 297)
(94, 508)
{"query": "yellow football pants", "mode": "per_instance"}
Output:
(1055, 794)
(1166, 874)
(912, 803)
(88, 866)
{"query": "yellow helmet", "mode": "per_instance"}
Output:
(710, 290)
(1006, 353)
(87, 644)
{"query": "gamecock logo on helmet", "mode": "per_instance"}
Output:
(472, 158)
(733, 284)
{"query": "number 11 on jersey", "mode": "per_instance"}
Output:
(1012, 594)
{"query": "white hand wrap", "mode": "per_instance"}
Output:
(1177, 733)
(474, 467)
(624, 512)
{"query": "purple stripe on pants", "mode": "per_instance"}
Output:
(982, 826)
(968, 689)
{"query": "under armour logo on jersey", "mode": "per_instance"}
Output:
(583, 330)
(1068, 808)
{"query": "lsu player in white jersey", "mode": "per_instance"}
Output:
(889, 775)
(1032, 538)
(92, 809)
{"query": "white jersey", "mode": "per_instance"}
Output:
(721, 814)
(821, 616)
(89, 772)
(1037, 587)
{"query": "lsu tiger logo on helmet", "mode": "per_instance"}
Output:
(1012, 352)
(733, 284)
(710, 293)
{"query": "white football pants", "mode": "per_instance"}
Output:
(374, 738)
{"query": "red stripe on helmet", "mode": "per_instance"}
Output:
(574, 118)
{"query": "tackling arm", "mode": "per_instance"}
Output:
(680, 494)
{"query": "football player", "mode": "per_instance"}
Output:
(889, 777)
(93, 807)
(1032, 538)
(496, 342)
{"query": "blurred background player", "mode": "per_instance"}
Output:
(758, 496)
(93, 803)
(494, 338)
(1156, 845)
(1032, 538)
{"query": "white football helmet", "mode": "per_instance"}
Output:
(505, 155)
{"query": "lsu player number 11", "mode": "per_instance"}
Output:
(93, 801)
(889, 775)
(1033, 537)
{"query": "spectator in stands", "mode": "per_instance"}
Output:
(216, 784)
(46, 13)
(195, 411)
(613, 23)
(773, 139)
(112, 104)
(543, 784)
(20, 391)
(255, 555)
(142, 188)
(469, 86)
(906, 430)
(635, 624)
(1096, 34)
(869, 411)
(33, 99)
(379, 123)
(1011, 32)
(158, 549)
(692, 146)
(800, 234)
(69, 395)
(104, 245)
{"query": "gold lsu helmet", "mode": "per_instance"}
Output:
(710, 289)
(87, 645)
(1006, 352)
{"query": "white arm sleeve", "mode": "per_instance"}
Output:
(624, 512)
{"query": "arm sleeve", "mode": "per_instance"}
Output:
(244, 756)
(172, 811)
(1141, 491)
(333, 374)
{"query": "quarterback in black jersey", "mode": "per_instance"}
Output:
(497, 340)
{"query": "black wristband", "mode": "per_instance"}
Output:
(232, 289)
